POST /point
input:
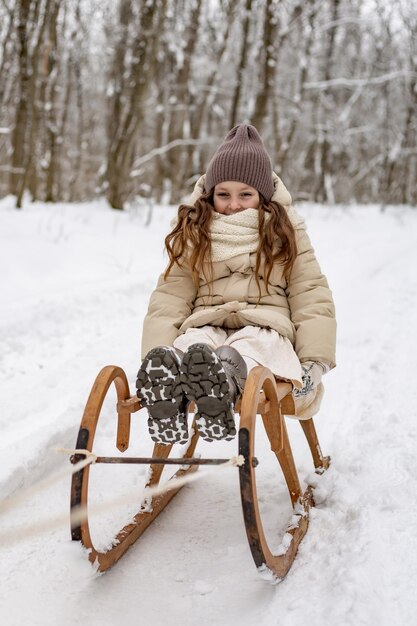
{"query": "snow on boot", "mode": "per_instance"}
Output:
(206, 381)
(159, 389)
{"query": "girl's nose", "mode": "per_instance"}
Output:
(234, 203)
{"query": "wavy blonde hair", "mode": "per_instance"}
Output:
(189, 241)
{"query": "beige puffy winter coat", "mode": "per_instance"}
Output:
(301, 308)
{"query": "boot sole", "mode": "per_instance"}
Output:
(204, 381)
(159, 390)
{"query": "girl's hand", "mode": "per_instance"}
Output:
(312, 373)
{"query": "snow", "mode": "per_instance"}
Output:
(75, 280)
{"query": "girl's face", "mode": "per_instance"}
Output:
(231, 197)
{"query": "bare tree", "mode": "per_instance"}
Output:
(243, 57)
(401, 164)
(22, 109)
(7, 44)
(271, 35)
(50, 69)
(323, 186)
(130, 116)
(33, 17)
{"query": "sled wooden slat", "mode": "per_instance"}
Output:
(154, 460)
(263, 397)
(131, 405)
(320, 462)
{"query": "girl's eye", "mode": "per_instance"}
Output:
(247, 194)
(221, 195)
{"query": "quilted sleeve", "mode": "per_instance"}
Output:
(169, 306)
(311, 305)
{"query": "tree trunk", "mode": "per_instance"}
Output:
(122, 143)
(22, 108)
(323, 190)
(180, 127)
(51, 70)
(24, 139)
(243, 57)
(267, 72)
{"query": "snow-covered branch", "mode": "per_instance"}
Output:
(358, 82)
(164, 149)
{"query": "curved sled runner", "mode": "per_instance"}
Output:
(263, 398)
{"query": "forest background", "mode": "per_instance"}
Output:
(128, 99)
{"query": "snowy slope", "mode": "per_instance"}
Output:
(74, 286)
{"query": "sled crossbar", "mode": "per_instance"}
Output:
(132, 405)
(161, 461)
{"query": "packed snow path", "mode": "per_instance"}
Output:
(75, 282)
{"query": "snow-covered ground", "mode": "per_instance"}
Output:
(75, 280)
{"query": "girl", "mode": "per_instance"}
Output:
(242, 288)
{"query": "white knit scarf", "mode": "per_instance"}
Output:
(234, 234)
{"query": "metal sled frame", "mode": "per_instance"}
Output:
(262, 399)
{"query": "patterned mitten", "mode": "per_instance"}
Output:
(312, 373)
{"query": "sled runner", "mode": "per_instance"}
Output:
(263, 401)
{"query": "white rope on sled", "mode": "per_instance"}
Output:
(79, 515)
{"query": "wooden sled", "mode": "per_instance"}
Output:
(262, 398)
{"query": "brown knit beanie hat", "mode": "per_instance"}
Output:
(241, 157)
